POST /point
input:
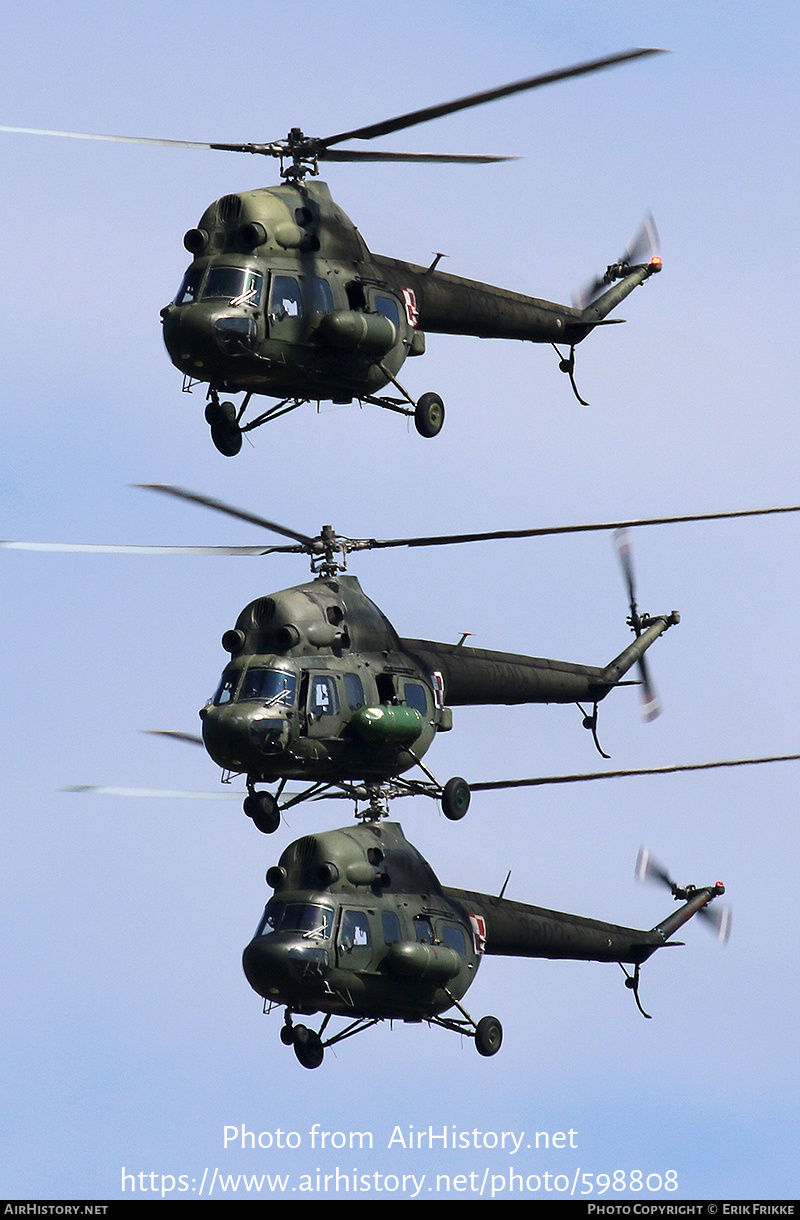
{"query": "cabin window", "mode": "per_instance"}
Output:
(191, 284)
(312, 921)
(388, 308)
(287, 301)
(416, 698)
(274, 687)
(322, 296)
(453, 936)
(423, 930)
(355, 295)
(386, 689)
(354, 691)
(237, 285)
(391, 927)
(354, 930)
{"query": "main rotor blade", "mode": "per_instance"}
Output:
(449, 539)
(346, 154)
(208, 502)
(489, 95)
(496, 785)
(176, 735)
(92, 135)
(89, 548)
(106, 790)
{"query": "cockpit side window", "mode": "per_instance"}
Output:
(190, 287)
(323, 700)
(354, 930)
(227, 687)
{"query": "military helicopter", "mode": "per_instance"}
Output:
(320, 687)
(359, 927)
(284, 299)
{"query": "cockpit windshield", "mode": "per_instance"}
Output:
(311, 921)
(238, 285)
(274, 687)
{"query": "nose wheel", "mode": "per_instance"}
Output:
(307, 1046)
(225, 431)
(262, 807)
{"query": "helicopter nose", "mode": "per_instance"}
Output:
(197, 334)
(189, 336)
(225, 736)
(240, 738)
(274, 964)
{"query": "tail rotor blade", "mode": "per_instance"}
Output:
(643, 247)
(651, 704)
(622, 542)
(720, 919)
(645, 243)
(648, 869)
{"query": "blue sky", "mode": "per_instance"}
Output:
(132, 1037)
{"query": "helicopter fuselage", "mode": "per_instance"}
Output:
(360, 927)
(284, 299)
(321, 688)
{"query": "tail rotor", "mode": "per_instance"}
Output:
(719, 917)
(651, 704)
(643, 249)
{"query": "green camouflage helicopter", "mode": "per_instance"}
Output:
(284, 299)
(359, 927)
(320, 688)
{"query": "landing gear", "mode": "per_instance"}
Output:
(488, 1036)
(455, 799)
(225, 431)
(307, 1046)
(262, 807)
(429, 415)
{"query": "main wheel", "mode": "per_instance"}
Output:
(429, 415)
(308, 1047)
(263, 809)
(225, 431)
(455, 799)
(488, 1036)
